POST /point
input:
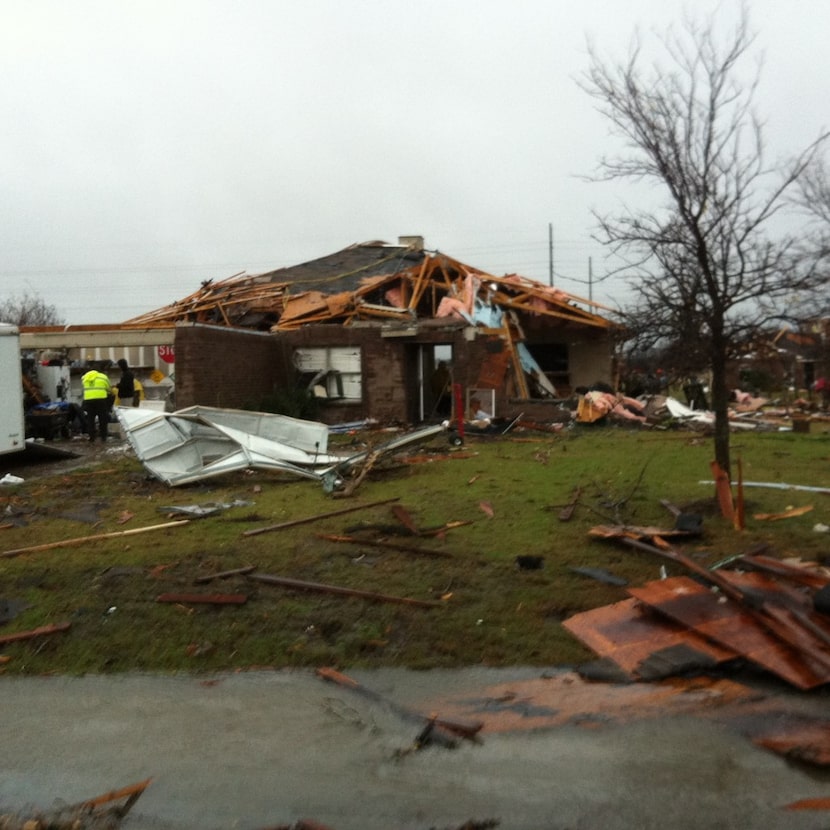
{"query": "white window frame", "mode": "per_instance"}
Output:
(334, 372)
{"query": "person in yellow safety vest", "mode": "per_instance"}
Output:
(97, 396)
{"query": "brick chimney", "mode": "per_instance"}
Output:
(414, 242)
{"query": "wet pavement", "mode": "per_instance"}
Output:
(262, 749)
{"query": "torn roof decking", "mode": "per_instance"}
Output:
(372, 281)
(694, 615)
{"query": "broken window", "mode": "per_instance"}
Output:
(553, 361)
(331, 372)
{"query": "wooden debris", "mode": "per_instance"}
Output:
(405, 518)
(42, 631)
(131, 793)
(627, 634)
(566, 513)
(465, 729)
(634, 532)
(809, 804)
(352, 485)
(204, 599)
(801, 574)
(86, 814)
(771, 624)
(724, 492)
(66, 543)
(319, 587)
(201, 580)
(784, 514)
(376, 543)
(317, 517)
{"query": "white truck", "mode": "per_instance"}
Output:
(12, 421)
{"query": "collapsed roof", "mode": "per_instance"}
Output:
(372, 281)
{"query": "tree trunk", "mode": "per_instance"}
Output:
(720, 402)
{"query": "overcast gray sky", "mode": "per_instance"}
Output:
(148, 146)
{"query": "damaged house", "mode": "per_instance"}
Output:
(383, 331)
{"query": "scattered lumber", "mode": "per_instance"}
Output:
(42, 631)
(377, 543)
(82, 540)
(201, 580)
(319, 587)
(204, 599)
(317, 517)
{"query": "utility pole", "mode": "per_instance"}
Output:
(550, 253)
(591, 279)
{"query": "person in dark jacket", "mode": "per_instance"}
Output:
(127, 392)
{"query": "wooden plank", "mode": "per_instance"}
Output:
(808, 636)
(43, 631)
(691, 604)
(319, 587)
(130, 792)
(201, 580)
(622, 632)
(376, 543)
(81, 540)
(405, 518)
(316, 517)
(419, 283)
(204, 599)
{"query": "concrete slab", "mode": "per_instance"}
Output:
(259, 749)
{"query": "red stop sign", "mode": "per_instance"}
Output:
(167, 354)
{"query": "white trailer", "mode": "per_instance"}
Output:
(12, 422)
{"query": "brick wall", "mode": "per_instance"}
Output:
(233, 368)
(228, 368)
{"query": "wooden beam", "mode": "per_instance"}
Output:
(375, 543)
(204, 599)
(81, 540)
(322, 588)
(44, 630)
(317, 517)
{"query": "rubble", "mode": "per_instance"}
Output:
(764, 613)
(200, 442)
(399, 284)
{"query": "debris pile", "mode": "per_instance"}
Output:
(770, 613)
(394, 283)
(201, 442)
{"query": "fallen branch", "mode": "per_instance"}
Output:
(67, 543)
(307, 519)
(319, 587)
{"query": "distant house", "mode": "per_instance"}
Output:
(379, 330)
(775, 360)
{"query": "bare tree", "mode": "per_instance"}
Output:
(704, 265)
(29, 310)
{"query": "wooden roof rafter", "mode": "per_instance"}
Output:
(565, 312)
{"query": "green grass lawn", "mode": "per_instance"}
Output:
(491, 612)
